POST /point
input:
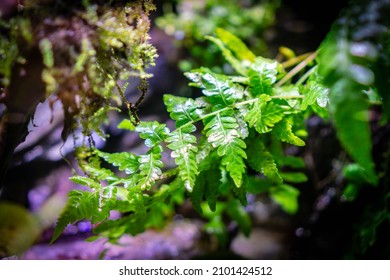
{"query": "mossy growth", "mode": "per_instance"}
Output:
(89, 49)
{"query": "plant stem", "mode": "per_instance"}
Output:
(295, 60)
(235, 105)
(305, 76)
(297, 69)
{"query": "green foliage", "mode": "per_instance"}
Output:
(354, 63)
(225, 144)
(184, 153)
(262, 161)
(195, 20)
(349, 61)
(286, 196)
(85, 70)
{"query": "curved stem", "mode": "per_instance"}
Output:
(293, 61)
(238, 104)
(297, 69)
(305, 76)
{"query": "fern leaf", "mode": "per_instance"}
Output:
(126, 124)
(350, 112)
(106, 202)
(212, 183)
(85, 181)
(228, 55)
(115, 227)
(283, 130)
(233, 156)
(263, 115)
(262, 75)
(291, 161)
(237, 212)
(254, 115)
(314, 92)
(100, 173)
(272, 114)
(207, 183)
(77, 208)
(287, 92)
(204, 154)
(221, 128)
(150, 167)
(184, 153)
(153, 132)
(241, 192)
(183, 110)
(196, 196)
(261, 160)
(219, 90)
(294, 177)
(222, 133)
(125, 161)
(351, 59)
(235, 44)
(81, 205)
(286, 196)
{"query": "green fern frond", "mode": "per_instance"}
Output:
(261, 160)
(283, 130)
(150, 167)
(237, 212)
(183, 110)
(235, 44)
(286, 196)
(212, 185)
(263, 114)
(294, 177)
(221, 132)
(184, 153)
(196, 196)
(95, 206)
(152, 132)
(85, 181)
(262, 75)
(228, 55)
(77, 208)
(208, 182)
(219, 90)
(125, 161)
(314, 92)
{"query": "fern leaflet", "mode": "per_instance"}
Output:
(183, 151)
(183, 110)
(219, 90)
(95, 206)
(150, 167)
(264, 114)
(261, 160)
(262, 76)
(125, 161)
(221, 132)
(283, 130)
(153, 132)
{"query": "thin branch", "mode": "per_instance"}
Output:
(297, 69)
